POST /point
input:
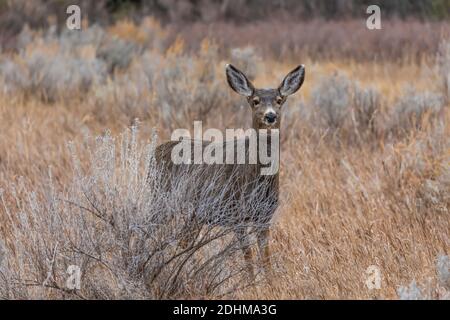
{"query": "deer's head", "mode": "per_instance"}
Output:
(265, 103)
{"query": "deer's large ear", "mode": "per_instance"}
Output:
(293, 81)
(239, 82)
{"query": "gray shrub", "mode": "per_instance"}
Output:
(410, 110)
(122, 229)
(13, 76)
(443, 67)
(345, 108)
(247, 59)
(332, 99)
(430, 290)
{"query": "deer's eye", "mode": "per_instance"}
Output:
(256, 101)
(279, 100)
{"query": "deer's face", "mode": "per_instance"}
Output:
(265, 103)
(266, 108)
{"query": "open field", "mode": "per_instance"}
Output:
(365, 172)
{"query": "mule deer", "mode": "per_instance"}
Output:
(242, 180)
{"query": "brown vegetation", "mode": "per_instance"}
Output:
(365, 176)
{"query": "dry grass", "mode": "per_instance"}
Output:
(347, 210)
(372, 189)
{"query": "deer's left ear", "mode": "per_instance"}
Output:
(293, 81)
(238, 81)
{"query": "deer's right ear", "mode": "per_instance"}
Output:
(238, 81)
(293, 81)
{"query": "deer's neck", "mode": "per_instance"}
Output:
(268, 143)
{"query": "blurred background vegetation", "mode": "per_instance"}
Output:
(35, 13)
(240, 11)
(282, 29)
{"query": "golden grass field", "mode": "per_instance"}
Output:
(351, 197)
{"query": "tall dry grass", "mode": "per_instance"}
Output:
(365, 172)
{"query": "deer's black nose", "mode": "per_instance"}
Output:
(270, 117)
